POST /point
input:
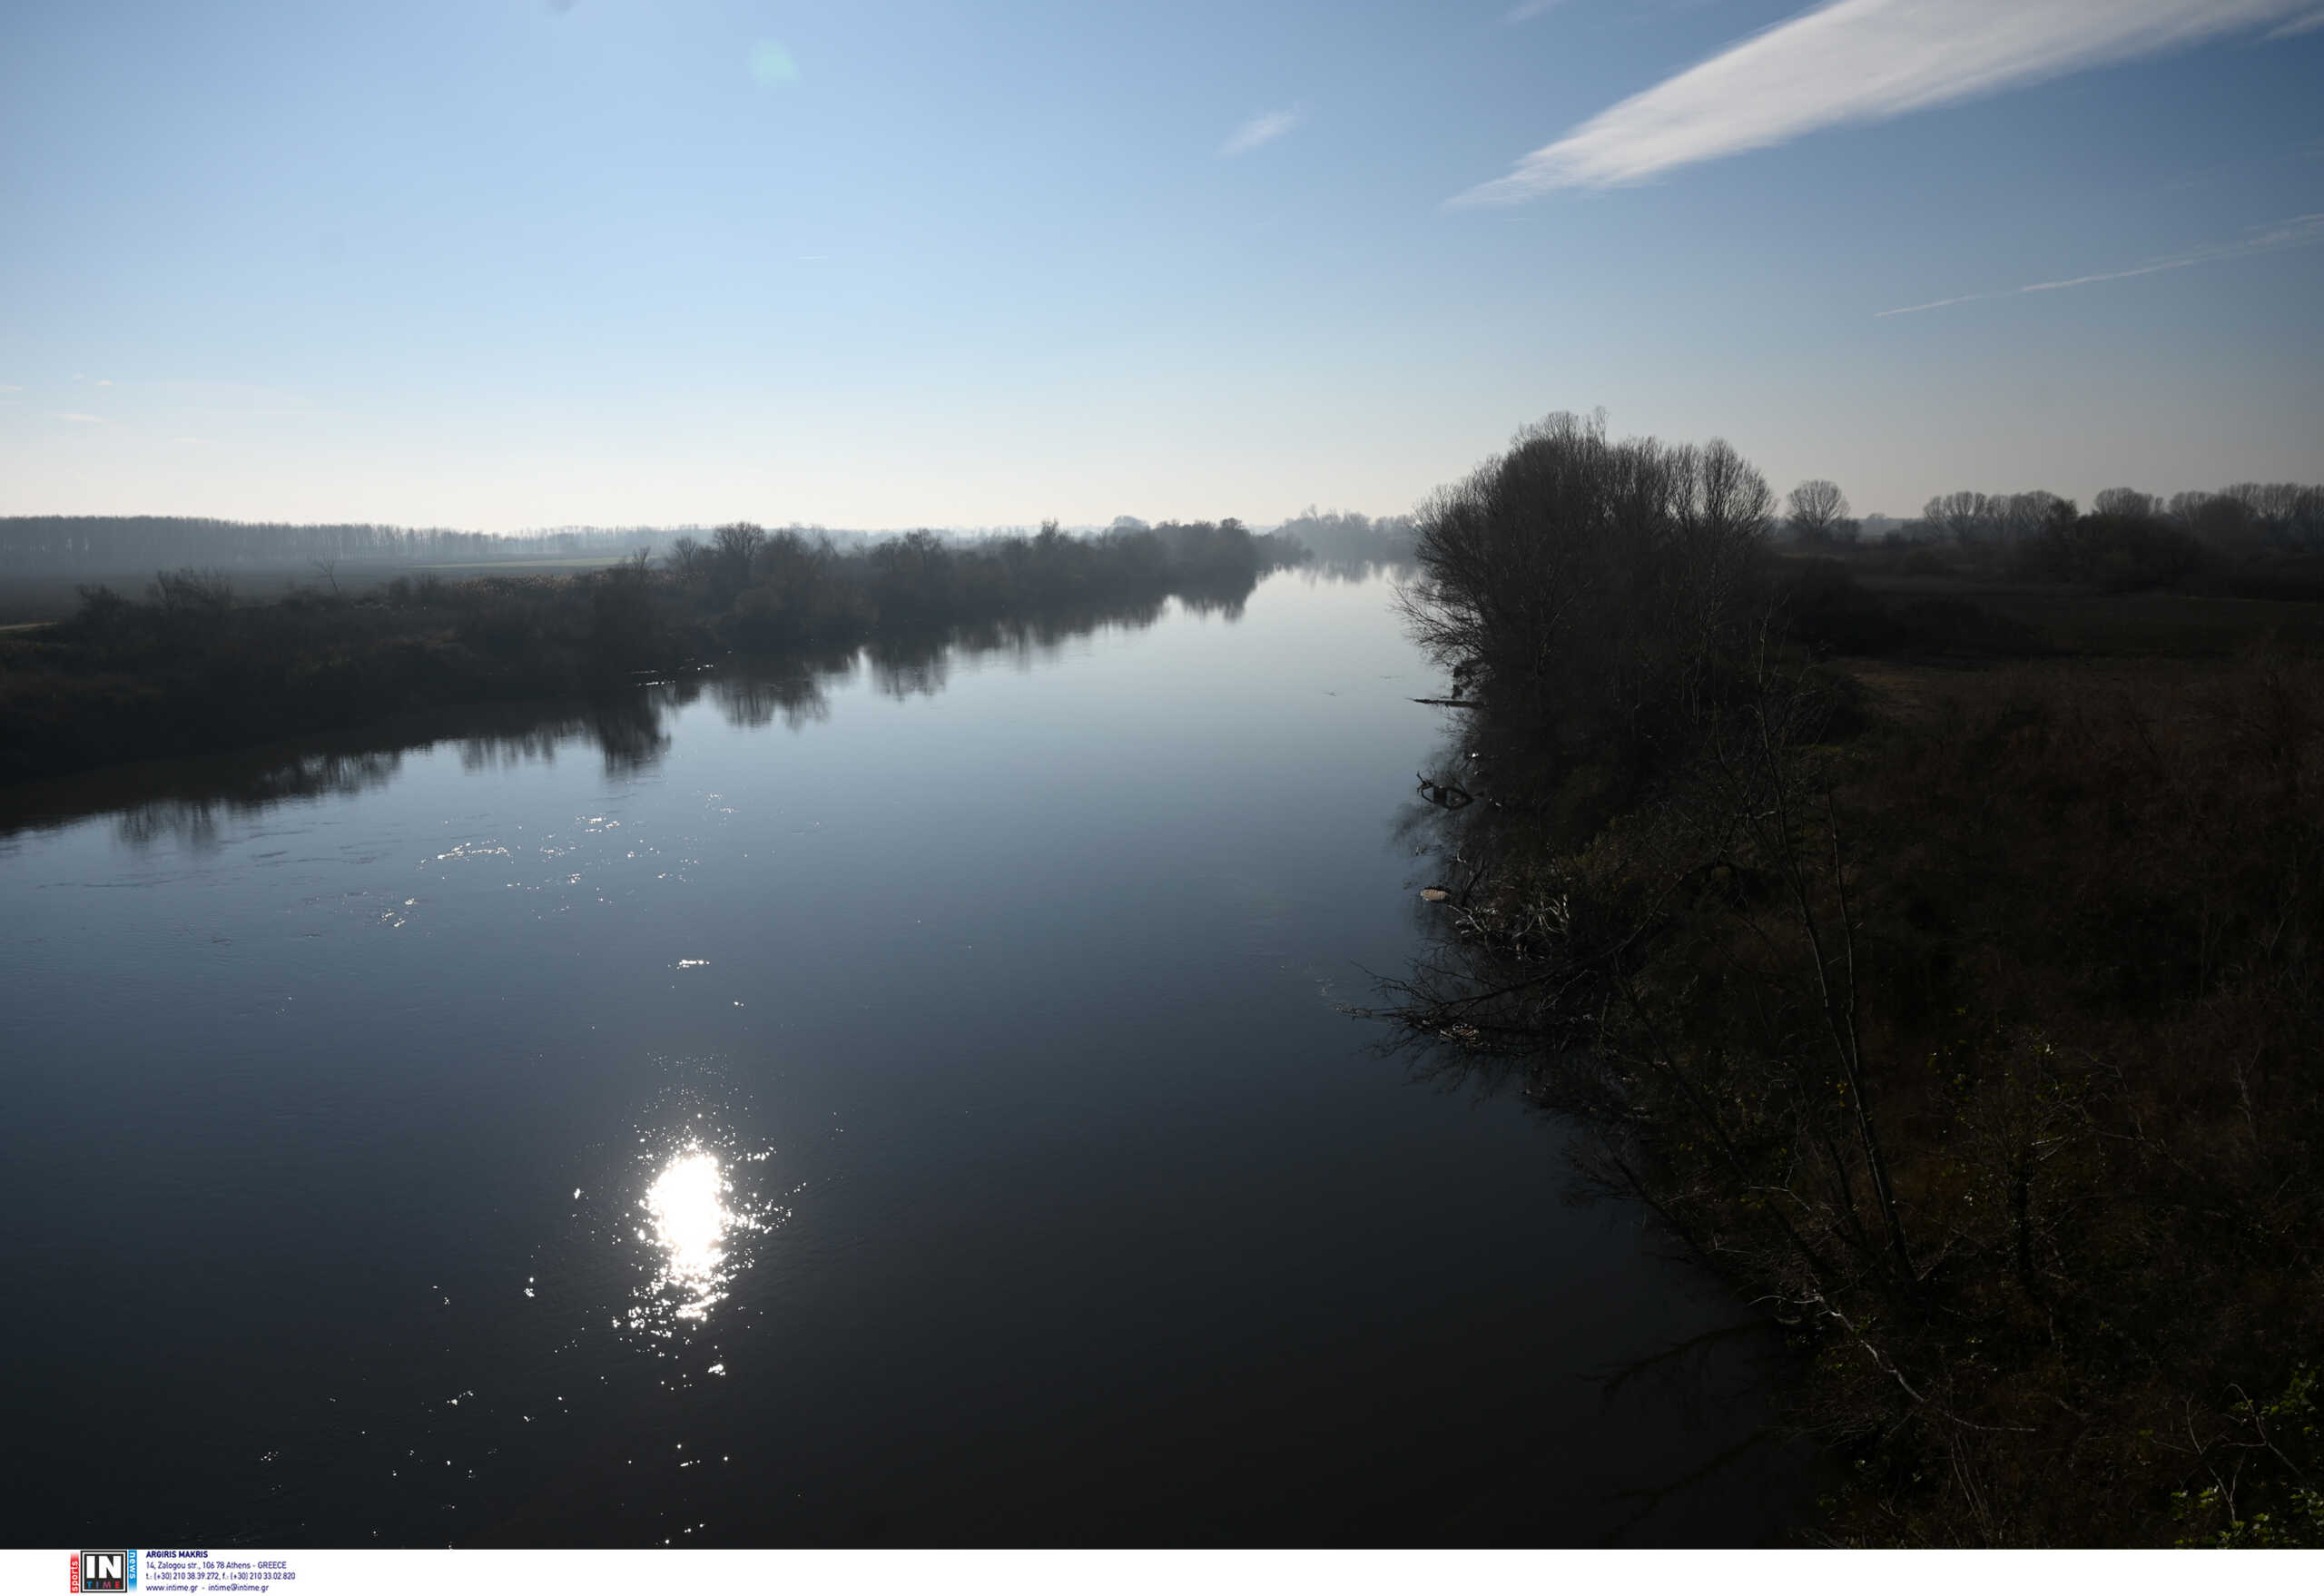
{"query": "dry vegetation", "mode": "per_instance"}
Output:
(1963, 1006)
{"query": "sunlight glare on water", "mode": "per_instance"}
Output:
(688, 1203)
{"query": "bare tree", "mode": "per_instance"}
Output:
(1594, 581)
(687, 558)
(2219, 519)
(733, 550)
(1819, 511)
(2285, 511)
(1965, 516)
(2127, 502)
(2021, 515)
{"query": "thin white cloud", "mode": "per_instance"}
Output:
(11, 388)
(1260, 129)
(1527, 10)
(77, 416)
(1860, 61)
(2298, 25)
(2279, 235)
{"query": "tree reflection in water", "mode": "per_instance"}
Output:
(187, 800)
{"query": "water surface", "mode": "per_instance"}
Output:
(912, 1104)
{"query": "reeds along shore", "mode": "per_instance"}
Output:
(188, 669)
(1965, 1006)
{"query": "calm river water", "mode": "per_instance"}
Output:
(916, 1109)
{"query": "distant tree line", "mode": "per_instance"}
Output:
(1347, 539)
(2270, 532)
(189, 668)
(2241, 518)
(629, 727)
(760, 591)
(90, 546)
(82, 545)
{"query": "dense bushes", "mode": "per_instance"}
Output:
(2116, 553)
(1820, 605)
(1974, 1030)
(188, 669)
(1983, 1051)
(2089, 920)
(1605, 592)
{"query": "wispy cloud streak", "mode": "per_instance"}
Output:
(1527, 10)
(1860, 61)
(2281, 235)
(1259, 130)
(2298, 25)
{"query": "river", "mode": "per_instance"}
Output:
(912, 1106)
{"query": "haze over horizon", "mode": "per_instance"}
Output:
(526, 264)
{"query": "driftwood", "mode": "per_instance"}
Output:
(1445, 794)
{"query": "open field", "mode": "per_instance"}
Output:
(2190, 622)
(2129, 625)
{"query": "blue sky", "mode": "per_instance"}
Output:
(504, 263)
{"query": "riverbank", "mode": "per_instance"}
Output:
(1974, 1033)
(192, 668)
(1955, 992)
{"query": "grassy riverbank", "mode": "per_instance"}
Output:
(1948, 973)
(192, 668)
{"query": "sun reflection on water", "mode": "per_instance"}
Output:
(693, 1218)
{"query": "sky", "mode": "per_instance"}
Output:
(522, 263)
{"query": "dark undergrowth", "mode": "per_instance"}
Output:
(2080, 953)
(1965, 1006)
